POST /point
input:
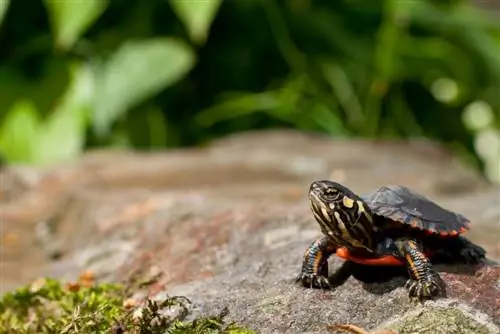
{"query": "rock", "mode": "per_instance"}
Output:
(228, 224)
(448, 316)
(359, 330)
(260, 292)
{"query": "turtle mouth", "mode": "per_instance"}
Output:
(321, 212)
(314, 191)
(315, 196)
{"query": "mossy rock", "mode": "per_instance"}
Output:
(450, 317)
(49, 306)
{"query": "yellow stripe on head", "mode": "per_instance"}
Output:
(362, 210)
(346, 233)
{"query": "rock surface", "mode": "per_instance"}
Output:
(227, 226)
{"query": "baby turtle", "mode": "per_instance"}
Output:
(391, 226)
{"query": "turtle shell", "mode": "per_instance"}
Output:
(400, 204)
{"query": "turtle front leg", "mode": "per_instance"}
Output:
(314, 273)
(424, 282)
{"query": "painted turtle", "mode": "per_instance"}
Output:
(391, 226)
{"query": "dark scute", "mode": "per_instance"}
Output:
(402, 204)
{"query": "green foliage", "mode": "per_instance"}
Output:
(140, 68)
(175, 73)
(47, 306)
(4, 5)
(19, 131)
(196, 17)
(50, 308)
(25, 137)
(71, 18)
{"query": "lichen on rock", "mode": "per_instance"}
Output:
(443, 316)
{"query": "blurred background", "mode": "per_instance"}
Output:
(163, 74)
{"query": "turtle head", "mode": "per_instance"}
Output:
(342, 215)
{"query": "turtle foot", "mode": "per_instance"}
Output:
(473, 254)
(424, 289)
(314, 281)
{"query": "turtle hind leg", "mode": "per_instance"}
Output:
(469, 252)
(459, 250)
(424, 282)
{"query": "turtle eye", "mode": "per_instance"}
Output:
(331, 193)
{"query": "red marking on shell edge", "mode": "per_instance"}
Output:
(417, 227)
(429, 232)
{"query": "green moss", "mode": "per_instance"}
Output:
(434, 319)
(47, 306)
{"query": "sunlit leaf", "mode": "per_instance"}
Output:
(19, 132)
(70, 19)
(137, 71)
(197, 16)
(62, 136)
(4, 5)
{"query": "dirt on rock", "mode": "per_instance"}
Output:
(227, 225)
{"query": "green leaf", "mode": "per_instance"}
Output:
(240, 104)
(70, 19)
(344, 91)
(197, 16)
(24, 137)
(138, 70)
(327, 120)
(18, 134)
(156, 128)
(62, 135)
(4, 5)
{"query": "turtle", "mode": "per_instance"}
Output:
(392, 225)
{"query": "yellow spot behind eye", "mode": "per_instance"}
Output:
(348, 202)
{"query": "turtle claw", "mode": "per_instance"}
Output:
(314, 281)
(421, 290)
